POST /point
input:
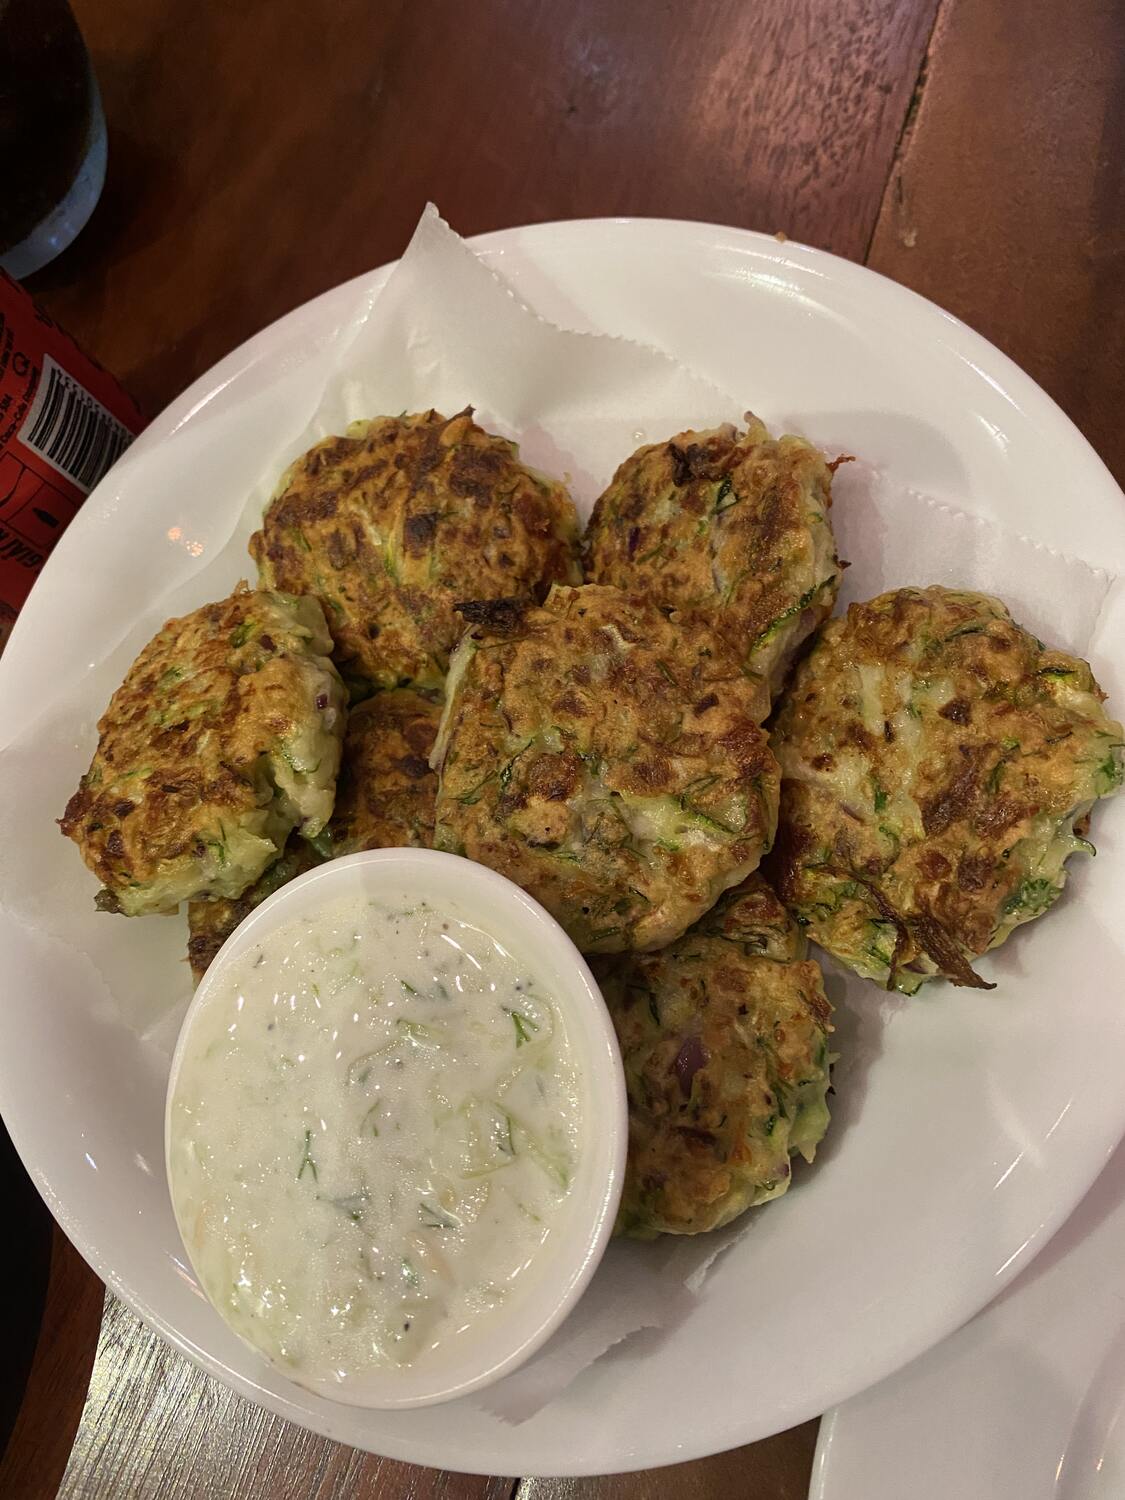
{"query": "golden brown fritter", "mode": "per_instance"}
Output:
(384, 800)
(731, 524)
(223, 738)
(936, 760)
(386, 792)
(606, 759)
(394, 524)
(724, 1040)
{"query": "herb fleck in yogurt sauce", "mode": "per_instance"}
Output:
(373, 1131)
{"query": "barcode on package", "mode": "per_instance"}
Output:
(70, 430)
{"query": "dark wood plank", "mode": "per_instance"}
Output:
(262, 152)
(156, 1428)
(1007, 203)
(777, 1469)
(39, 1446)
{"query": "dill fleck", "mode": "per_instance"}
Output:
(307, 1160)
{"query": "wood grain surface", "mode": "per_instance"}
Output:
(154, 1428)
(1007, 201)
(262, 152)
(777, 1469)
(265, 151)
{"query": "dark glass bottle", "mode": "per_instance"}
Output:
(52, 133)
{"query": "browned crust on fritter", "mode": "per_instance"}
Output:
(573, 719)
(386, 791)
(925, 738)
(392, 526)
(721, 1034)
(187, 741)
(731, 524)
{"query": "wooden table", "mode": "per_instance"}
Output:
(262, 152)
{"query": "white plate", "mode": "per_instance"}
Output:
(967, 1126)
(1026, 1403)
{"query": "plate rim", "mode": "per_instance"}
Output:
(963, 341)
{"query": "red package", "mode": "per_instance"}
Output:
(63, 422)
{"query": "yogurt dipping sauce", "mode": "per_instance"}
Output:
(374, 1127)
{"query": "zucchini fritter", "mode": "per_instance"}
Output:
(384, 800)
(734, 525)
(223, 738)
(724, 1040)
(939, 764)
(385, 795)
(606, 759)
(390, 526)
(210, 923)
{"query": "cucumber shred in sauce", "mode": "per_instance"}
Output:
(373, 1134)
